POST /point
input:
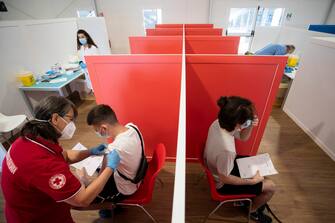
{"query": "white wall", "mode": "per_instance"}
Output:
(264, 36)
(44, 9)
(311, 100)
(124, 18)
(298, 37)
(11, 59)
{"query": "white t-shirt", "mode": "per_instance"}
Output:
(82, 52)
(220, 152)
(128, 146)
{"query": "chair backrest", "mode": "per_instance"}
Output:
(155, 165)
(210, 178)
(212, 185)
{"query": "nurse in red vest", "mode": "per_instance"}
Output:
(37, 183)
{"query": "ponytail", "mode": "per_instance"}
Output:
(222, 101)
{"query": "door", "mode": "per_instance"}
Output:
(242, 22)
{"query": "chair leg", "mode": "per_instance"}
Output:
(249, 210)
(141, 207)
(221, 203)
(215, 209)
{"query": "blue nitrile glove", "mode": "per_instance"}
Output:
(82, 65)
(99, 150)
(113, 159)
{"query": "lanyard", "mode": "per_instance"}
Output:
(37, 143)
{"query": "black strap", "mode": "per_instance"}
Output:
(140, 136)
(270, 211)
(143, 156)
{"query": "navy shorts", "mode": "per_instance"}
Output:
(109, 193)
(227, 189)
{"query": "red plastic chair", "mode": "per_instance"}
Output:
(144, 194)
(216, 196)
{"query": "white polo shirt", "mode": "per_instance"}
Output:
(220, 152)
(128, 145)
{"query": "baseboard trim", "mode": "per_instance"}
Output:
(318, 141)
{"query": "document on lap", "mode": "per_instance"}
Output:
(91, 163)
(249, 166)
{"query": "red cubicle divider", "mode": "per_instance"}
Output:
(186, 25)
(188, 31)
(141, 89)
(209, 77)
(212, 44)
(199, 25)
(156, 45)
(204, 31)
(165, 32)
(169, 26)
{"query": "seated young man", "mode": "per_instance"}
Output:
(236, 119)
(127, 141)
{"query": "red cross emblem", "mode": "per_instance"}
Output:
(57, 181)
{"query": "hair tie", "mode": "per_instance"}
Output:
(40, 120)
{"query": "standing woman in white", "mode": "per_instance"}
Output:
(86, 47)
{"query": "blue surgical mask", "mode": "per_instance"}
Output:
(83, 41)
(246, 124)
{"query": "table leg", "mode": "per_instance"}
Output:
(61, 93)
(286, 93)
(27, 100)
(68, 89)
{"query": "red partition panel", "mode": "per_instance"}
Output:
(212, 44)
(165, 32)
(142, 89)
(204, 31)
(209, 77)
(199, 25)
(186, 25)
(156, 44)
(169, 26)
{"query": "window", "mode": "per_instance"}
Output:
(241, 20)
(269, 16)
(151, 17)
(86, 13)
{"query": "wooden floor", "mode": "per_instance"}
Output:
(305, 184)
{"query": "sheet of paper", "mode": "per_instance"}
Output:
(248, 166)
(58, 80)
(91, 163)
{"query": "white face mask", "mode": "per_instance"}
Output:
(68, 131)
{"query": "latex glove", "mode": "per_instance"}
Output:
(113, 159)
(99, 150)
(82, 65)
